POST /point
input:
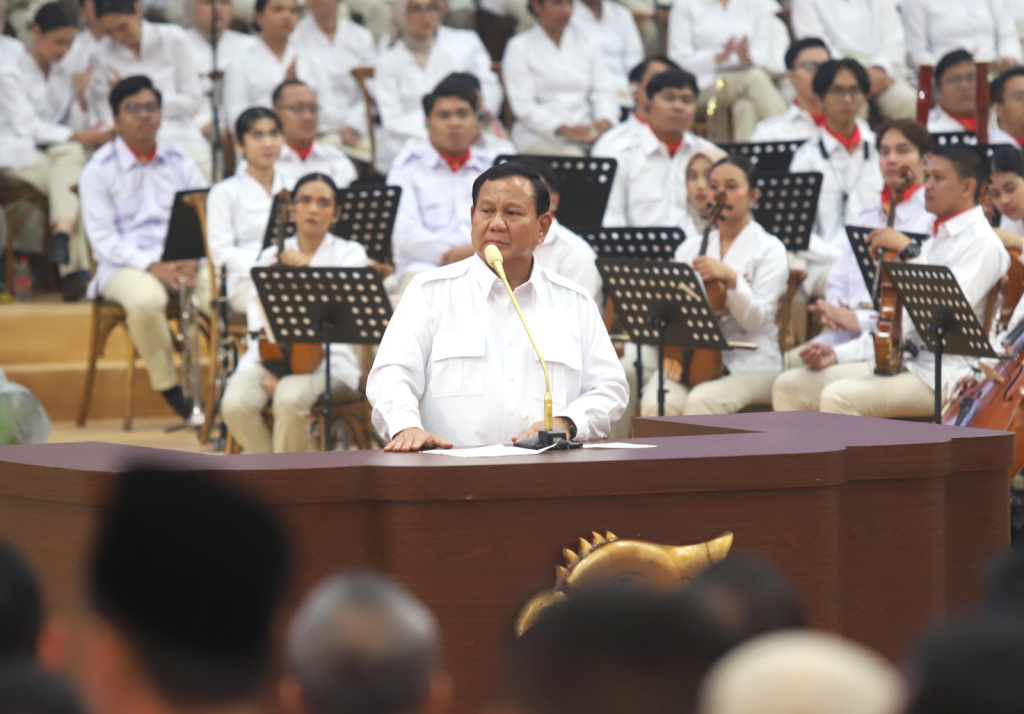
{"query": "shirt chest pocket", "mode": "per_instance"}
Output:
(648, 192)
(436, 215)
(457, 365)
(565, 366)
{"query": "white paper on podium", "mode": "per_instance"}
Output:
(490, 452)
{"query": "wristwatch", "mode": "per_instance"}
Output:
(911, 251)
(572, 428)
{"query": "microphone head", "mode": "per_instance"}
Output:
(492, 255)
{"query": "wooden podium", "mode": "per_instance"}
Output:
(882, 526)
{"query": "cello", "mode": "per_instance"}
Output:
(889, 331)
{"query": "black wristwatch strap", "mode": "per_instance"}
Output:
(572, 428)
(911, 251)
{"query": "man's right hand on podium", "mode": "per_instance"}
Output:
(415, 439)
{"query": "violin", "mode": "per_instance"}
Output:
(1014, 289)
(295, 358)
(889, 332)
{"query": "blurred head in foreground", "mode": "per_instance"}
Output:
(26, 689)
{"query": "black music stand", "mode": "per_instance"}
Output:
(584, 185)
(184, 233)
(367, 216)
(323, 305)
(788, 205)
(943, 317)
(953, 138)
(662, 304)
(767, 156)
(858, 237)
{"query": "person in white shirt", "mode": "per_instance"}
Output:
(805, 116)
(985, 29)
(422, 53)
(296, 103)
(963, 241)
(78, 57)
(256, 383)
(612, 140)
(610, 26)
(1007, 91)
(44, 135)
(869, 31)
(133, 46)
(238, 208)
(956, 83)
(649, 187)
(726, 43)
(559, 88)
(844, 153)
(753, 265)
(846, 312)
(127, 190)
(338, 44)
(436, 177)
(1006, 192)
(455, 366)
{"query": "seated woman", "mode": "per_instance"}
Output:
(726, 43)
(753, 265)
(252, 385)
(44, 135)
(238, 208)
(422, 53)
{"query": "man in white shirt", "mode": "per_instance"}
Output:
(869, 31)
(984, 28)
(805, 116)
(639, 76)
(455, 366)
(1007, 92)
(650, 184)
(956, 82)
(127, 190)
(436, 176)
(296, 103)
(963, 241)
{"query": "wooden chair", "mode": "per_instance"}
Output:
(363, 75)
(784, 314)
(12, 192)
(106, 315)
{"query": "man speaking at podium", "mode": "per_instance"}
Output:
(456, 366)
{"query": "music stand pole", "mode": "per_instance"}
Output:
(326, 405)
(216, 148)
(638, 367)
(661, 322)
(938, 329)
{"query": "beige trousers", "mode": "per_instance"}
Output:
(800, 388)
(294, 397)
(749, 95)
(144, 299)
(725, 395)
(897, 101)
(56, 170)
(902, 395)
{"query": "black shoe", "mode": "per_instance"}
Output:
(60, 251)
(74, 285)
(176, 399)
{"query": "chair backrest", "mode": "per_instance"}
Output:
(924, 92)
(584, 185)
(363, 76)
(367, 215)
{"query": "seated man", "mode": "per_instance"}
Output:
(296, 103)
(452, 365)
(361, 642)
(963, 241)
(956, 82)
(639, 77)
(805, 116)
(646, 190)
(1008, 101)
(127, 191)
(436, 176)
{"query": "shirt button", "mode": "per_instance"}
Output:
(511, 378)
(511, 412)
(511, 343)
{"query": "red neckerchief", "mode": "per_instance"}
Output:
(1019, 140)
(968, 123)
(851, 143)
(940, 221)
(456, 163)
(673, 148)
(818, 117)
(303, 153)
(887, 196)
(143, 158)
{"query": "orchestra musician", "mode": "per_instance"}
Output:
(805, 116)
(1007, 91)
(956, 80)
(455, 366)
(754, 266)
(610, 141)
(292, 396)
(846, 310)
(1006, 192)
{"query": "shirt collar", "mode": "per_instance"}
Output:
(290, 153)
(487, 280)
(126, 158)
(650, 143)
(832, 145)
(957, 223)
(435, 160)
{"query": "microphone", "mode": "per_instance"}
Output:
(548, 436)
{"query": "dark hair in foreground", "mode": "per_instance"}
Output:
(310, 178)
(275, 97)
(827, 72)
(189, 574)
(21, 605)
(1006, 159)
(672, 79)
(511, 169)
(252, 115)
(52, 16)
(966, 162)
(26, 689)
(915, 132)
(460, 85)
(636, 74)
(799, 46)
(129, 87)
(115, 7)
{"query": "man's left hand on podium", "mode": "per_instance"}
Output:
(416, 439)
(559, 423)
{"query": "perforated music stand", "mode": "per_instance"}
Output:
(943, 317)
(952, 138)
(767, 156)
(662, 304)
(584, 186)
(858, 237)
(788, 205)
(323, 305)
(368, 217)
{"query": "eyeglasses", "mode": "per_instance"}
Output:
(809, 66)
(301, 109)
(135, 108)
(423, 9)
(845, 92)
(955, 79)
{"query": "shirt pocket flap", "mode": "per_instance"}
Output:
(448, 345)
(558, 349)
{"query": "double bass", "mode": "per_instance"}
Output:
(889, 332)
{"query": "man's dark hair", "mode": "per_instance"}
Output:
(189, 573)
(26, 689)
(1007, 160)
(21, 605)
(613, 651)
(998, 86)
(672, 79)
(279, 89)
(129, 87)
(460, 85)
(950, 60)
(510, 169)
(799, 46)
(743, 596)
(827, 72)
(966, 163)
(115, 7)
(52, 16)
(636, 74)
(915, 132)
